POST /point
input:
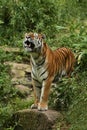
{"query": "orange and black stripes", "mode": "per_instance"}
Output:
(59, 60)
(47, 66)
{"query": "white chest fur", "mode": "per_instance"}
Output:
(39, 72)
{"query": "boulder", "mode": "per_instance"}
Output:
(31, 119)
(23, 91)
(21, 73)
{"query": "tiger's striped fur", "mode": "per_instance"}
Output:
(47, 67)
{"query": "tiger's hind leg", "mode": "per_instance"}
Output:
(37, 93)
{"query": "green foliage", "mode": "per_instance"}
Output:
(20, 16)
(62, 94)
(7, 92)
(13, 56)
(77, 114)
(17, 17)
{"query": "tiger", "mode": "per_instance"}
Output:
(47, 66)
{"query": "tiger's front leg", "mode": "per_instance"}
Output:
(37, 93)
(43, 104)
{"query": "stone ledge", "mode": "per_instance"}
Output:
(29, 119)
(9, 49)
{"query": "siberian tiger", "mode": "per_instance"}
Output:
(47, 66)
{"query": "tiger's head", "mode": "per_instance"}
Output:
(33, 42)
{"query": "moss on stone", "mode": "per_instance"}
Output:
(37, 120)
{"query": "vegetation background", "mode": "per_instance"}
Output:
(65, 24)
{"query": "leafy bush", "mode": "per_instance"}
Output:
(7, 92)
(20, 16)
(77, 114)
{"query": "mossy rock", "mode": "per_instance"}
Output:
(37, 120)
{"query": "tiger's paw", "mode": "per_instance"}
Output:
(42, 107)
(34, 106)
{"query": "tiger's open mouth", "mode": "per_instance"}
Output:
(29, 45)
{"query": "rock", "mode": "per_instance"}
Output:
(9, 49)
(37, 120)
(21, 78)
(23, 91)
(21, 81)
(18, 71)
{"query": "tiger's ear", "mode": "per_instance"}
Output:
(43, 36)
